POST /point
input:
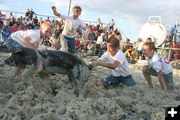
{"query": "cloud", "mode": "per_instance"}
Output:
(45, 0)
(14, 4)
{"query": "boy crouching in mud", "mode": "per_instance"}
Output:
(29, 39)
(117, 62)
(158, 66)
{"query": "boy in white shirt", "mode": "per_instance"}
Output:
(30, 39)
(72, 23)
(158, 66)
(117, 62)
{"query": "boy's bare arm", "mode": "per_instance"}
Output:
(105, 64)
(27, 41)
(55, 12)
(161, 80)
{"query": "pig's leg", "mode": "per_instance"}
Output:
(82, 77)
(46, 81)
(18, 70)
(73, 82)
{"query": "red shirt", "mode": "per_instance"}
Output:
(78, 43)
(47, 20)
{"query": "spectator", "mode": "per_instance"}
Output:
(47, 20)
(2, 19)
(35, 21)
(91, 49)
(149, 40)
(14, 27)
(91, 35)
(98, 23)
(131, 55)
(100, 43)
(11, 19)
(27, 13)
(139, 48)
(111, 23)
(168, 45)
(31, 13)
(5, 32)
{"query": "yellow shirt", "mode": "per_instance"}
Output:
(133, 54)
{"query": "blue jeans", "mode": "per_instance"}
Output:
(68, 43)
(110, 80)
(168, 78)
(11, 44)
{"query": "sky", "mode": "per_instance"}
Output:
(129, 15)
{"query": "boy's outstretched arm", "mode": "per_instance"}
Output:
(105, 64)
(55, 12)
(27, 41)
(161, 80)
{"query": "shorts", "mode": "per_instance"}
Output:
(12, 44)
(168, 78)
(110, 80)
(140, 53)
(68, 44)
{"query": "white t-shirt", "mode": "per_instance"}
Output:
(122, 69)
(71, 26)
(159, 62)
(100, 39)
(140, 45)
(34, 34)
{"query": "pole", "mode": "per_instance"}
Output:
(69, 7)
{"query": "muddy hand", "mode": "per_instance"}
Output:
(98, 63)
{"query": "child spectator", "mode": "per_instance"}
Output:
(117, 62)
(158, 66)
(5, 32)
(91, 49)
(14, 27)
(70, 28)
(131, 55)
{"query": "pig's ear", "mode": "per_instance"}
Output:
(17, 50)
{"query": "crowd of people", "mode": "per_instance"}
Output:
(72, 35)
